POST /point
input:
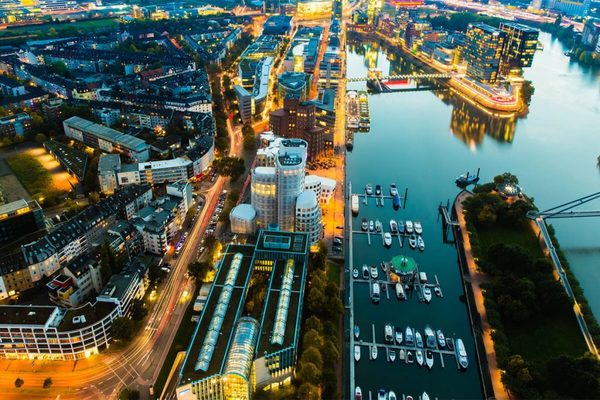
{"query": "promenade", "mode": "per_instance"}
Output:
(476, 278)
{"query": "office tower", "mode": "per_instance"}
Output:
(483, 52)
(520, 46)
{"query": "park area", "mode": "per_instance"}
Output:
(41, 175)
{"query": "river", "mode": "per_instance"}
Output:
(422, 141)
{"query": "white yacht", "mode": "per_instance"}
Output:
(461, 353)
(373, 352)
(418, 227)
(365, 271)
(441, 339)
(378, 225)
(420, 243)
(357, 393)
(393, 190)
(430, 338)
(409, 227)
(369, 189)
(398, 335)
(427, 293)
(429, 359)
(364, 224)
(424, 396)
(419, 357)
(355, 273)
(374, 272)
(381, 394)
(376, 292)
(408, 336)
(418, 339)
(393, 226)
(400, 291)
(412, 241)
(389, 337)
(392, 395)
(387, 239)
(371, 226)
(356, 353)
(402, 354)
(392, 355)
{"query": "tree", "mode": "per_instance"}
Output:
(129, 394)
(47, 383)
(309, 373)
(40, 138)
(198, 270)
(122, 329)
(330, 352)
(233, 167)
(138, 310)
(312, 355)
(307, 391)
(313, 322)
(108, 261)
(312, 338)
(19, 382)
(94, 197)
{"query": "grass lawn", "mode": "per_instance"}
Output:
(43, 29)
(36, 179)
(180, 343)
(333, 272)
(498, 234)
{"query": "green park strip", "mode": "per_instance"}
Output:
(536, 335)
(57, 29)
(36, 179)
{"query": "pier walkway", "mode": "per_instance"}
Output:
(404, 76)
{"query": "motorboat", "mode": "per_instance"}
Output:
(424, 396)
(450, 344)
(376, 293)
(392, 355)
(355, 273)
(393, 226)
(408, 336)
(423, 277)
(371, 226)
(467, 179)
(440, 338)
(420, 243)
(419, 357)
(461, 353)
(364, 225)
(369, 189)
(393, 190)
(381, 394)
(427, 294)
(418, 339)
(409, 397)
(412, 241)
(409, 357)
(384, 266)
(357, 393)
(387, 239)
(398, 335)
(378, 225)
(356, 353)
(392, 395)
(354, 204)
(377, 190)
(373, 352)
(437, 291)
(365, 271)
(429, 359)
(396, 202)
(400, 291)
(402, 354)
(389, 337)
(409, 227)
(401, 227)
(374, 272)
(430, 338)
(383, 286)
(418, 227)
(356, 331)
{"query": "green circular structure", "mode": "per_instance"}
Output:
(403, 265)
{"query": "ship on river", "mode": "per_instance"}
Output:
(352, 113)
(364, 122)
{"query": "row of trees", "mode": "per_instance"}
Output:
(234, 167)
(46, 385)
(317, 375)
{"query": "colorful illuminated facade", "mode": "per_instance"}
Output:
(483, 52)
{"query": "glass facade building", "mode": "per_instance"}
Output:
(483, 52)
(520, 46)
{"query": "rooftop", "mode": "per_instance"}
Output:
(107, 133)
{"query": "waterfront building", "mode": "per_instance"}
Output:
(234, 352)
(297, 119)
(19, 219)
(243, 219)
(322, 186)
(293, 85)
(520, 46)
(304, 49)
(483, 52)
(572, 8)
(51, 6)
(591, 32)
(374, 8)
(106, 139)
(314, 8)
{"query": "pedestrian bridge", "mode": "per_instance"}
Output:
(406, 76)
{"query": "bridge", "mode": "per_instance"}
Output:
(405, 76)
(566, 211)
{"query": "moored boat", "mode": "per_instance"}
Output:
(355, 273)
(356, 331)
(393, 226)
(409, 357)
(419, 357)
(392, 355)
(387, 239)
(418, 228)
(371, 225)
(393, 190)
(409, 227)
(388, 335)
(402, 354)
(400, 291)
(450, 343)
(461, 353)
(429, 337)
(408, 336)
(424, 396)
(418, 339)
(429, 359)
(440, 338)
(354, 204)
(392, 395)
(365, 271)
(364, 224)
(396, 202)
(356, 353)
(357, 393)
(381, 394)
(401, 227)
(427, 294)
(467, 179)
(376, 293)
(420, 243)
(369, 189)
(373, 352)
(374, 272)
(377, 190)
(378, 225)
(398, 335)
(412, 241)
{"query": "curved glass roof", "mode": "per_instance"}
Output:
(212, 333)
(283, 304)
(241, 352)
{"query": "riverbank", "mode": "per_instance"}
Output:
(488, 98)
(527, 318)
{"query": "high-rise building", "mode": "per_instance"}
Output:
(291, 169)
(573, 8)
(309, 216)
(520, 46)
(374, 7)
(57, 5)
(591, 32)
(483, 52)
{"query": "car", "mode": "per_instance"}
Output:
(337, 241)
(339, 227)
(338, 238)
(166, 269)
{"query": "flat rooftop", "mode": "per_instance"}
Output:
(26, 315)
(290, 242)
(230, 315)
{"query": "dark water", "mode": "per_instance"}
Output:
(423, 140)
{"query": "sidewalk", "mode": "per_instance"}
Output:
(476, 278)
